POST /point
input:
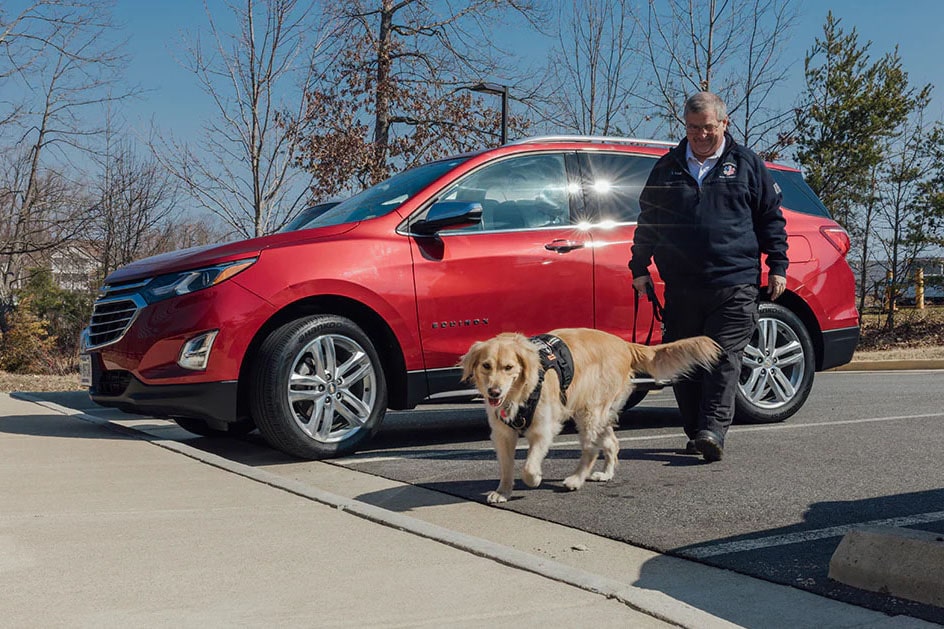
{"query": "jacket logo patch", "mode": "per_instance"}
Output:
(728, 169)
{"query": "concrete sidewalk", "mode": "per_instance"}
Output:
(121, 523)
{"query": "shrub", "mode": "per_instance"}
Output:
(26, 346)
(64, 312)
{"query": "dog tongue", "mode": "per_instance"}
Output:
(495, 402)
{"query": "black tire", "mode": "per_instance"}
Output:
(777, 368)
(317, 387)
(635, 398)
(200, 427)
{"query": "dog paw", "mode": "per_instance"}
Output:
(601, 477)
(531, 479)
(573, 483)
(494, 498)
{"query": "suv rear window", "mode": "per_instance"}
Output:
(616, 179)
(797, 195)
(615, 182)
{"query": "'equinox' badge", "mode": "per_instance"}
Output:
(459, 324)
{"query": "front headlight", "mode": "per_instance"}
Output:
(174, 284)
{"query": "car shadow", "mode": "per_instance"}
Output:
(420, 433)
(56, 425)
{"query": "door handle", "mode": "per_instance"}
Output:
(563, 246)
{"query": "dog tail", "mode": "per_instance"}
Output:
(679, 358)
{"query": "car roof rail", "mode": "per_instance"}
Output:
(603, 139)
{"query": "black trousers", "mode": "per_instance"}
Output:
(729, 316)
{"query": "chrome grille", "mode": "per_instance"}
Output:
(113, 314)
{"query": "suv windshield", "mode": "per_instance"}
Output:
(384, 197)
(306, 216)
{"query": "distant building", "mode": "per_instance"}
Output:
(75, 266)
(933, 268)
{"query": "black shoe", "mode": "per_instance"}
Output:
(710, 446)
(690, 448)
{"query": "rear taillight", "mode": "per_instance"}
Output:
(837, 237)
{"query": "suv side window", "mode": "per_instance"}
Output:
(523, 192)
(615, 181)
(797, 194)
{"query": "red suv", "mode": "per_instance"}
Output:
(311, 335)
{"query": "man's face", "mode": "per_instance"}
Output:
(705, 133)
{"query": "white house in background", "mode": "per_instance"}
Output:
(75, 266)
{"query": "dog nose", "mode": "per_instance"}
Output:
(494, 392)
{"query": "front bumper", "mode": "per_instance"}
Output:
(212, 402)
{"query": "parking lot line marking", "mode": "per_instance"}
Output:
(765, 427)
(726, 548)
(522, 445)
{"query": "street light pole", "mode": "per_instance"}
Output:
(502, 90)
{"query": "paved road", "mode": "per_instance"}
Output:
(865, 449)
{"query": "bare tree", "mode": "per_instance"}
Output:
(909, 221)
(731, 47)
(243, 171)
(40, 209)
(184, 233)
(58, 59)
(397, 93)
(136, 198)
(24, 38)
(868, 217)
(595, 75)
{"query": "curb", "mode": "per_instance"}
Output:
(890, 365)
(899, 561)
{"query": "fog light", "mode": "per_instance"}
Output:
(195, 354)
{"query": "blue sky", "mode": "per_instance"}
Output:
(915, 26)
(154, 35)
(173, 100)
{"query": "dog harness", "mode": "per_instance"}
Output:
(555, 355)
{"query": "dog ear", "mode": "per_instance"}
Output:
(530, 362)
(471, 359)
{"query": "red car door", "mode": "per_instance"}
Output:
(612, 181)
(525, 268)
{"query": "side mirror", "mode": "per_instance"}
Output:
(448, 214)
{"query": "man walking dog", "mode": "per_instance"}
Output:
(709, 209)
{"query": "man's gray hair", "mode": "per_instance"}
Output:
(705, 101)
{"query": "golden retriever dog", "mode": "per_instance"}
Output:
(507, 370)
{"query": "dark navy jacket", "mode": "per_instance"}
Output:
(710, 236)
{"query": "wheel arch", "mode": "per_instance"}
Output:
(795, 304)
(373, 325)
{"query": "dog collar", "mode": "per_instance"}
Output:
(554, 355)
(521, 419)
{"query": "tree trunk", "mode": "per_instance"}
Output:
(382, 97)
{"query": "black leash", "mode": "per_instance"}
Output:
(656, 310)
